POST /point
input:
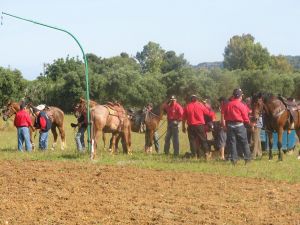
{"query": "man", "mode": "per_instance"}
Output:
(82, 126)
(23, 122)
(43, 123)
(222, 136)
(256, 146)
(194, 113)
(236, 117)
(174, 116)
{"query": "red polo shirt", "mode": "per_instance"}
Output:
(194, 113)
(22, 119)
(174, 111)
(236, 111)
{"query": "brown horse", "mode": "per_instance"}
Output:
(55, 114)
(152, 119)
(276, 117)
(110, 118)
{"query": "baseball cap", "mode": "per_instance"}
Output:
(172, 98)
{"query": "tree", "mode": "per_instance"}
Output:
(281, 64)
(172, 62)
(243, 53)
(151, 58)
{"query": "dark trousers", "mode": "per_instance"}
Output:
(172, 133)
(237, 138)
(197, 138)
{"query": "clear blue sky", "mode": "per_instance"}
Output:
(199, 29)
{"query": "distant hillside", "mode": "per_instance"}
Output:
(294, 61)
(210, 65)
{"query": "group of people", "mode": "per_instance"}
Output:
(236, 132)
(23, 123)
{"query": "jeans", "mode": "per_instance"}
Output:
(237, 138)
(43, 141)
(79, 138)
(155, 140)
(172, 132)
(24, 136)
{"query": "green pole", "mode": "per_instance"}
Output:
(85, 64)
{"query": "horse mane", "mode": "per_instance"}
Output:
(266, 97)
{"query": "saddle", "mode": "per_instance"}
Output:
(115, 109)
(293, 107)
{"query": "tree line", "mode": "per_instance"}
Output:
(154, 74)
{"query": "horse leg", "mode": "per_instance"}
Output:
(113, 143)
(32, 138)
(279, 144)
(54, 132)
(127, 141)
(94, 140)
(151, 134)
(62, 137)
(104, 140)
(270, 136)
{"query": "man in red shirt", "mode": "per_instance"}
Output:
(174, 117)
(23, 122)
(236, 117)
(194, 113)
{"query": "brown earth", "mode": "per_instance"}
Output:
(35, 192)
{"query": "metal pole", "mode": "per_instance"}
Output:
(85, 64)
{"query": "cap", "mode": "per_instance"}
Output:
(172, 98)
(237, 93)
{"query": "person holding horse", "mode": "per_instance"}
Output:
(236, 117)
(82, 126)
(222, 135)
(174, 116)
(43, 123)
(23, 121)
(193, 115)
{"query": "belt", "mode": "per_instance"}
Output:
(235, 124)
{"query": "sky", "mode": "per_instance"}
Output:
(199, 29)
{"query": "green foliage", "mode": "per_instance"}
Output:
(12, 85)
(151, 58)
(243, 53)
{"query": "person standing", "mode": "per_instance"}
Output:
(43, 123)
(222, 136)
(236, 117)
(82, 126)
(22, 121)
(174, 116)
(256, 147)
(193, 115)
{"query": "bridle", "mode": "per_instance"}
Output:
(8, 112)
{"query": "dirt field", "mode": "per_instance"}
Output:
(35, 192)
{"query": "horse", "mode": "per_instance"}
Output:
(55, 114)
(110, 118)
(152, 119)
(277, 116)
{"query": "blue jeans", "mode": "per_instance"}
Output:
(43, 141)
(237, 138)
(172, 132)
(24, 136)
(79, 139)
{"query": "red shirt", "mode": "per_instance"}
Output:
(174, 111)
(22, 119)
(236, 111)
(42, 123)
(194, 113)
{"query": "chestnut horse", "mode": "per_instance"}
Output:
(152, 119)
(55, 114)
(105, 119)
(276, 117)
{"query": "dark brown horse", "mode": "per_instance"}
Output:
(152, 119)
(55, 114)
(276, 117)
(110, 118)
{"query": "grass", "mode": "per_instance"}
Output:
(288, 170)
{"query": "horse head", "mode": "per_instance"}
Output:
(10, 109)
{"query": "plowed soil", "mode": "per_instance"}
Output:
(36, 192)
